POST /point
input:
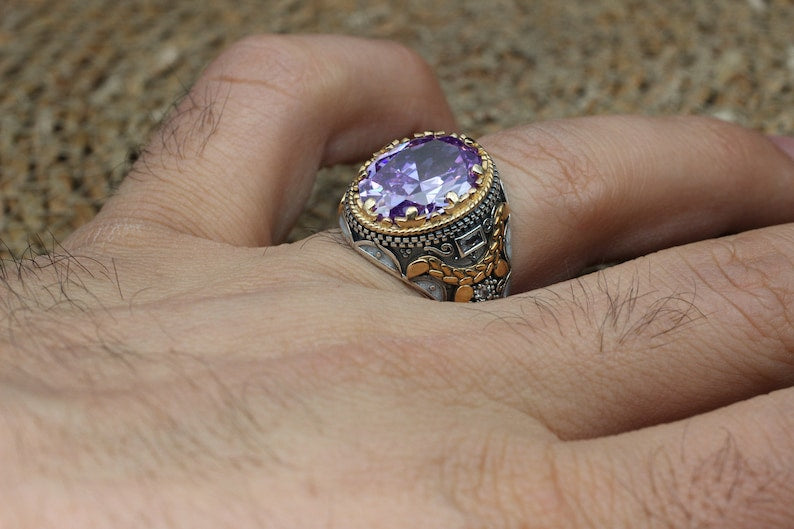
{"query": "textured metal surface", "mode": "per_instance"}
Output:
(467, 260)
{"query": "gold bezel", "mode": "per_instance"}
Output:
(411, 224)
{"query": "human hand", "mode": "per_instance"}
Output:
(174, 366)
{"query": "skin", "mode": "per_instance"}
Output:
(171, 364)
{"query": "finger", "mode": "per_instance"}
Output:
(667, 336)
(602, 189)
(658, 339)
(236, 160)
(730, 469)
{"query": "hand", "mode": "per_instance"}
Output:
(172, 365)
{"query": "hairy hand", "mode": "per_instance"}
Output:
(172, 365)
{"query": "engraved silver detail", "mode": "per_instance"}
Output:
(379, 254)
(432, 287)
(446, 250)
(470, 242)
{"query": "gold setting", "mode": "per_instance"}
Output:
(433, 271)
(413, 223)
(493, 263)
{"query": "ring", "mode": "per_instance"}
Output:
(432, 210)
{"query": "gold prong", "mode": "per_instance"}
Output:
(406, 222)
(477, 169)
(411, 212)
(369, 204)
(452, 197)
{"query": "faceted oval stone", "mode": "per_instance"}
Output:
(419, 173)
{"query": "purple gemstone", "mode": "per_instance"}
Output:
(419, 173)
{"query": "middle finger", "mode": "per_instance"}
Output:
(601, 189)
(669, 335)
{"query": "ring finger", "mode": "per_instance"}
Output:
(672, 334)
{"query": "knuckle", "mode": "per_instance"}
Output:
(281, 64)
(409, 60)
(751, 272)
(261, 52)
(503, 482)
(586, 487)
(728, 145)
(560, 168)
(774, 423)
(711, 485)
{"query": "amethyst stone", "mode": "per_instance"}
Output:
(420, 173)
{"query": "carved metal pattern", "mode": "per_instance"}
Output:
(493, 265)
(445, 250)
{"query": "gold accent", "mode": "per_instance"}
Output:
(420, 224)
(502, 268)
(464, 293)
(411, 219)
(492, 263)
(416, 269)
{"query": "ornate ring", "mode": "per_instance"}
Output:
(432, 210)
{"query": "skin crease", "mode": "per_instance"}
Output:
(172, 365)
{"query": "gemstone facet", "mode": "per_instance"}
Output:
(419, 173)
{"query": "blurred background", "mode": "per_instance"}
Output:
(83, 82)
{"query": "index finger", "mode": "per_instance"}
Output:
(236, 160)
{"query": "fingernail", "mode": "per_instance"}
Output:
(784, 143)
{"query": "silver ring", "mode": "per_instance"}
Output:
(432, 210)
